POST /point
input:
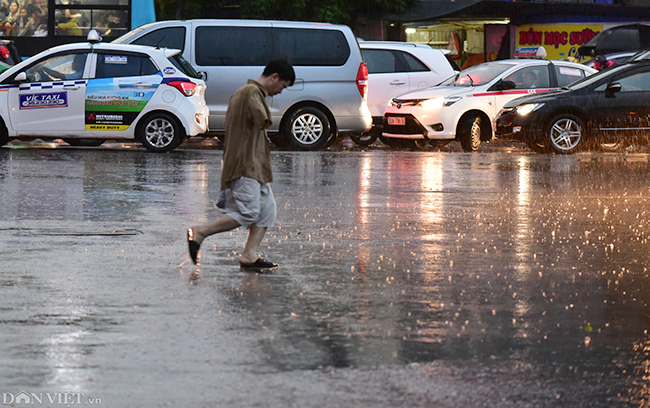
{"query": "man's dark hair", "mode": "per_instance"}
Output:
(282, 68)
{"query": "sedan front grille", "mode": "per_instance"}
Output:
(411, 127)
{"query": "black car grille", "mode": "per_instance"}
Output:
(412, 126)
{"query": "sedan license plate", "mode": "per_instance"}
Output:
(396, 121)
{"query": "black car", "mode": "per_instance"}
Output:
(604, 109)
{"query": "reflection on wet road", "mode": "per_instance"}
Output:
(406, 279)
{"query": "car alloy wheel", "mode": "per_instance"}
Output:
(308, 128)
(565, 133)
(160, 133)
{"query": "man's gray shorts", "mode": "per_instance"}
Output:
(250, 203)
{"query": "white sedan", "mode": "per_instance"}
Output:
(85, 93)
(465, 106)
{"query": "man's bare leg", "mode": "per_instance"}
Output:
(255, 237)
(221, 224)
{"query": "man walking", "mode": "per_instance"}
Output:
(246, 173)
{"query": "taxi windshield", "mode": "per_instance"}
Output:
(477, 75)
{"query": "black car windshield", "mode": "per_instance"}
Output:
(477, 75)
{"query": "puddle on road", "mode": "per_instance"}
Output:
(388, 260)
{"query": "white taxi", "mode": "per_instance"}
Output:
(85, 93)
(465, 106)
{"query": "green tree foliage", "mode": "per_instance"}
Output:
(333, 11)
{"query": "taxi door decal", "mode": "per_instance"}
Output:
(114, 103)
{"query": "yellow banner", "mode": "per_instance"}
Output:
(561, 41)
(107, 127)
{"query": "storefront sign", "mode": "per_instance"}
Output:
(561, 41)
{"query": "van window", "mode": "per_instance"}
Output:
(310, 47)
(170, 37)
(256, 46)
(123, 65)
(233, 46)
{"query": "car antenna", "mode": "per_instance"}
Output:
(159, 41)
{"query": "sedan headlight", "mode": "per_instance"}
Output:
(437, 103)
(451, 100)
(525, 109)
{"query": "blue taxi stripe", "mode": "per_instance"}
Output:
(50, 85)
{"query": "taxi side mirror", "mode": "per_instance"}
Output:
(504, 85)
(21, 77)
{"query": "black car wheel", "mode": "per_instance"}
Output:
(307, 128)
(159, 132)
(470, 133)
(565, 133)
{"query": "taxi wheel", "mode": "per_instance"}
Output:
(307, 128)
(470, 134)
(565, 133)
(160, 133)
(4, 135)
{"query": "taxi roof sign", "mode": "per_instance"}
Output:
(530, 52)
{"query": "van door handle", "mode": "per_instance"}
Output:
(398, 82)
(203, 75)
(142, 85)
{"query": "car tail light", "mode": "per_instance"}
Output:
(187, 88)
(362, 80)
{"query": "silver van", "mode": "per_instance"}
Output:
(329, 94)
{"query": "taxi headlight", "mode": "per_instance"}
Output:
(524, 110)
(434, 103)
(451, 100)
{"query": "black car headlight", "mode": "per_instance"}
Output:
(527, 108)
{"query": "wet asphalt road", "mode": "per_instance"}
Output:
(407, 279)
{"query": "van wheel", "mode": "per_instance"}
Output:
(159, 133)
(368, 138)
(307, 128)
(278, 139)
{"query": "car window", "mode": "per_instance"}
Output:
(184, 66)
(638, 81)
(123, 65)
(170, 37)
(630, 81)
(530, 77)
(380, 61)
(58, 67)
(568, 75)
(413, 64)
(297, 45)
(233, 46)
(477, 75)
